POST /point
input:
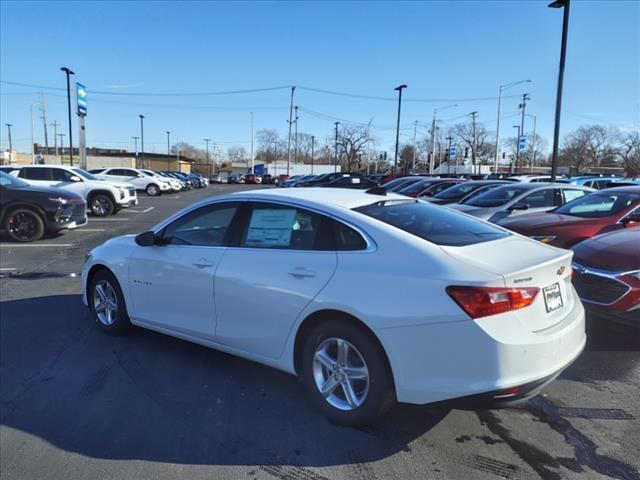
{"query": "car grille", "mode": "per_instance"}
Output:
(132, 192)
(79, 210)
(595, 288)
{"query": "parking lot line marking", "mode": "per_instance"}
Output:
(139, 211)
(91, 230)
(7, 269)
(109, 220)
(20, 245)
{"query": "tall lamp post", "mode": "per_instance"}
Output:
(563, 56)
(206, 141)
(395, 158)
(517, 144)
(68, 72)
(313, 141)
(500, 90)
(10, 143)
(335, 166)
(434, 135)
(142, 165)
(168, 143)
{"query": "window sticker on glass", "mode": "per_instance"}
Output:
(271, 227)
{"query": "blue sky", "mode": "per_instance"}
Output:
(441, 50)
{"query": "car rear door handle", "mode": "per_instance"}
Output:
(301, 272)
(202, 263)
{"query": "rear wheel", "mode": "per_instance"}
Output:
(153, 190)
(107, 303)
(101, 205)
(24, 225)
(345, 372)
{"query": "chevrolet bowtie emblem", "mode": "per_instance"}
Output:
(560, 270)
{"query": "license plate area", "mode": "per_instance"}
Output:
(552, 297)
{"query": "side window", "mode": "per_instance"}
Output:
(572, 194)
(540, 199)
(129, 173)
(206, 226)
(60, 175)
(117, 171)
(285, 227)
(347, 238)
(36, 173)
(589, 184)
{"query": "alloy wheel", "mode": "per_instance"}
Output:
(22, 226)
(341, 374)
(100, 206)
(105, 302)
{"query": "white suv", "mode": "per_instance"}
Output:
(152, 185)
(103, 197)
(176, 186)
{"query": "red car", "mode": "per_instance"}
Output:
(600, 212)
(429, 187)
(606, 275)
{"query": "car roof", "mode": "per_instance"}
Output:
(625, 189)
(340, 197)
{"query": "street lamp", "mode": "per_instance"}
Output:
(517, 144)
(395, 158)
(10, 143)
(206, 141)
(503, 87)
(68, 72)
(142, 165)
(335, 165)
(434, 134)
(168, 144)
(563, 56)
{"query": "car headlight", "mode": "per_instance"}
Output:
(60, 201)
(544, 238)
(122, 193)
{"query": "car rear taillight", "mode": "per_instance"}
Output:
(484, 301)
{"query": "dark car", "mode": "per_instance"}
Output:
(428, 187)
(587, 216)
(352, 182)
(327, 178)
(398, 184)
(464, 190)
(606, 275)
(27, 212)
(268, 179)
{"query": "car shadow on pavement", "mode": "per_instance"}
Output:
(147, 396)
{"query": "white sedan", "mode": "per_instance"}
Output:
(370, 297)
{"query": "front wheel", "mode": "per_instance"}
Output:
(107, 303)
(24, 225)
(101, 205)
(153, 190)
(346, 374)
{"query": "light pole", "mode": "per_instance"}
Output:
(293, 89)
(168, 144)
(434, 135)
(395, 158)
(503, 87)
(142, 165)
(313, 141)
(449, 138)
(523, 106)
(517, 146)
(10, 143)
(68, 72)
(61, 135)
(135, 145)
(473, 142)
(206, 141)
(563, 56)
(55, 136)
(295, 140)
(335, 165)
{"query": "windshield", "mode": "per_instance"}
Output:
(415, 187)
(598, 205)
(10, 180)
(84, 174)
(457, 191)
(432, 223)
(497, 196)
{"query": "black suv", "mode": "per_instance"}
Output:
(27, 212)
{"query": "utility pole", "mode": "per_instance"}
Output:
(252, 141)
(43, 117)
(563, 57)
(61, 135)
(295, 148)
(55, 136)
(415, 130)
(10, 142)
(33, 126)
(168, 144)
(135, 139)
(395, 158)
(206, 141)
(502, 87)
(517, 147)
(293, 89)
(449, 138)
(523, 106)
(335, 166)
(313, 141)
(473, 142)
(142, 165)
(533, 143)
(68, 72)
(434, 136)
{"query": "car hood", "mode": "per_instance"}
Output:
(614, 251)
(534, 221)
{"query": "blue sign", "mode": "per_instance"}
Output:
(259, 169)
(81, 94)
(522, 143)
(453, 151)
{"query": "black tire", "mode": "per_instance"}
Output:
(101, 205)
(112, 324)
(153, 190)
(24, 225)
(379, 396)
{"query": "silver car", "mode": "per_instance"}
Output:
(520, 198)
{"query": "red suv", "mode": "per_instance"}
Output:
(600, 212)
(606, 275)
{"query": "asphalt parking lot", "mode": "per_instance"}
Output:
(76, 403)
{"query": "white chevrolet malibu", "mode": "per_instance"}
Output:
(370, 297)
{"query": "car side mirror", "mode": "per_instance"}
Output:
(519, 206)
(146, 239)
(633, 218)
(75, 178)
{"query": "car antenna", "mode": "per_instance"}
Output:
(376, 191)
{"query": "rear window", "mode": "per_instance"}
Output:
(601, 204)
(435, 224)
(498, 196)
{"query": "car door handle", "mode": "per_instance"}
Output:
(301, 273)
(202, 263)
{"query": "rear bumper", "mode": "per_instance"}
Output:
(444, 361)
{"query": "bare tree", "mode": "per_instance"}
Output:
(237, 154)
(352, 146)
(588, 146)
(628, 151)
(270, 146)
(463, 134)
(187, 150)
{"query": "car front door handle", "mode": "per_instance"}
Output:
(202, 263)
(301, 273)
